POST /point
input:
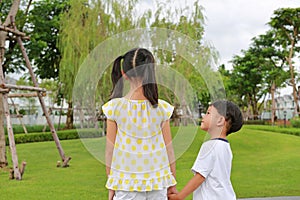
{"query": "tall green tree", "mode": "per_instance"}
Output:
(84, 26)
(13, 61)
(229, 85)
(43, 26)
(286, 24)
(248, 80)
(273, 63)
(191, 26)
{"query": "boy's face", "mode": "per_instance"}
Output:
(211, 119)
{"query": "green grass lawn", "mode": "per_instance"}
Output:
(265, 164)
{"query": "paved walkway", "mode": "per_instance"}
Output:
(273, 198)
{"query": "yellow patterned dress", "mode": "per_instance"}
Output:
(139, 161)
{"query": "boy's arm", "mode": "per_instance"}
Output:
(190, 187)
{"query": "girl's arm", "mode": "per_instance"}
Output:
(190, 187)
(111, 133)
(166, 131)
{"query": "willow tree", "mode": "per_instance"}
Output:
(286, 25)
(188, 20)
(83, 27)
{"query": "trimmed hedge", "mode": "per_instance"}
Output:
(295, 122)
(18, 129)
(256, 122)
(290, 131)
(62, 135)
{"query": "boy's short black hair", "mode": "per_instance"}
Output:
(232, 114)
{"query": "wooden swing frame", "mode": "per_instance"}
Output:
(39, 92)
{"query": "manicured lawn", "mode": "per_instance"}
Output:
(265, 164)
(84, 179)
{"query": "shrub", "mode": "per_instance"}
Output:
(62, 135)
(295, 122)
(255, 122)
(284, 130)
(17, 129)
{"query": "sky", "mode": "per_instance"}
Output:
(231, 24)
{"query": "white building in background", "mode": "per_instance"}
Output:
(33, 109)
(285, 107)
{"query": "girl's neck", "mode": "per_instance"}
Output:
(136, 92)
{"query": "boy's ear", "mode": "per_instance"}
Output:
(221, 121)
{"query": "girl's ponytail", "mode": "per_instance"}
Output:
(149, 80)
(116, 77)
(138, 62)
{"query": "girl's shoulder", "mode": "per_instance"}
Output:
(164, 104)
(112, 102)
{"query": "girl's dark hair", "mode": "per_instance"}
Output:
(138, 62)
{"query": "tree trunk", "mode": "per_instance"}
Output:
(293, 78)
(60, 113)
(253, 104)
(273, 111)
(70, 116)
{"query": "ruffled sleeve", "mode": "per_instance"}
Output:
(109, 110)
(166, 109)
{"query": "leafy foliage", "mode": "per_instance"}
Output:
(286, 24)
(43, 28)
(193, 27)
(13, 60)
(295, 122)
(266, 62)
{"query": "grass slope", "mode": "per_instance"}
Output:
(265, 164)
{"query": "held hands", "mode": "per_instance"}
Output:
(173, 197)
(172, 190)
(172, 193)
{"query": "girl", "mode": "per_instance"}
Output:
(140, 161)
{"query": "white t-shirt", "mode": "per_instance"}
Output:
(214, 163)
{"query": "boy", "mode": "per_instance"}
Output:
(212, 167)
